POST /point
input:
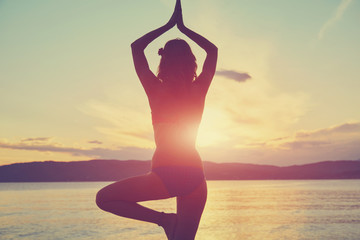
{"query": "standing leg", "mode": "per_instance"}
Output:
(189, 211)
(120, 198)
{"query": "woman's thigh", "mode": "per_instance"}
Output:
(189, 210)
(135, 189)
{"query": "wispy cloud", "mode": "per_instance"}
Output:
(336, 17)
(234, 75)
(340, 142)
(106, 153)
(95, 142)
(37, 139)
(342, 129)
(324, 137)
(306, 144)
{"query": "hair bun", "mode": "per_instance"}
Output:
(161, 51)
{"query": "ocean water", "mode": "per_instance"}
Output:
(256, 210)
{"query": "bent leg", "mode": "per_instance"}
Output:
(189, 211)
(121, 197)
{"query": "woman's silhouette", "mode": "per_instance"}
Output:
(176, 97)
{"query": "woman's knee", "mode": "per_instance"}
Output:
(103, 197)
(108, 194)
(100, 199)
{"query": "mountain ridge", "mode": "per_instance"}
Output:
(113, 170)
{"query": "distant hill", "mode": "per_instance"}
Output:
(112, 170)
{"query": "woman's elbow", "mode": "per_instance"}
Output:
(137, 47)
(134, 45)
(213, 50)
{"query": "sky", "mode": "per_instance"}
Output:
(286, 91)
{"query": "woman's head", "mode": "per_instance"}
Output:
(177, 63)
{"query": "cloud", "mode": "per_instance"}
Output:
(105, 153)
(38, 139)
(342, 129)
(330, 136)
(340, 142)
(335, 18)
(234, 75)
(305, 144)
(95, 142)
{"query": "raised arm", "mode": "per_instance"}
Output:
(146, 76)
(209, 66)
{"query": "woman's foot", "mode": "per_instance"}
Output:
(168, 223)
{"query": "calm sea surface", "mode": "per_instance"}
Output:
(263, 210)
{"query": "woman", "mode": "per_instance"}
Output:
(176, 97)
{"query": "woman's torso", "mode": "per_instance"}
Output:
(176, 116)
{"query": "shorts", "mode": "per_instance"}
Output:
(180, 180)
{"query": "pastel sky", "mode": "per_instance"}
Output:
(286, 91)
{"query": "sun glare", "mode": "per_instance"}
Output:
(211, 131)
